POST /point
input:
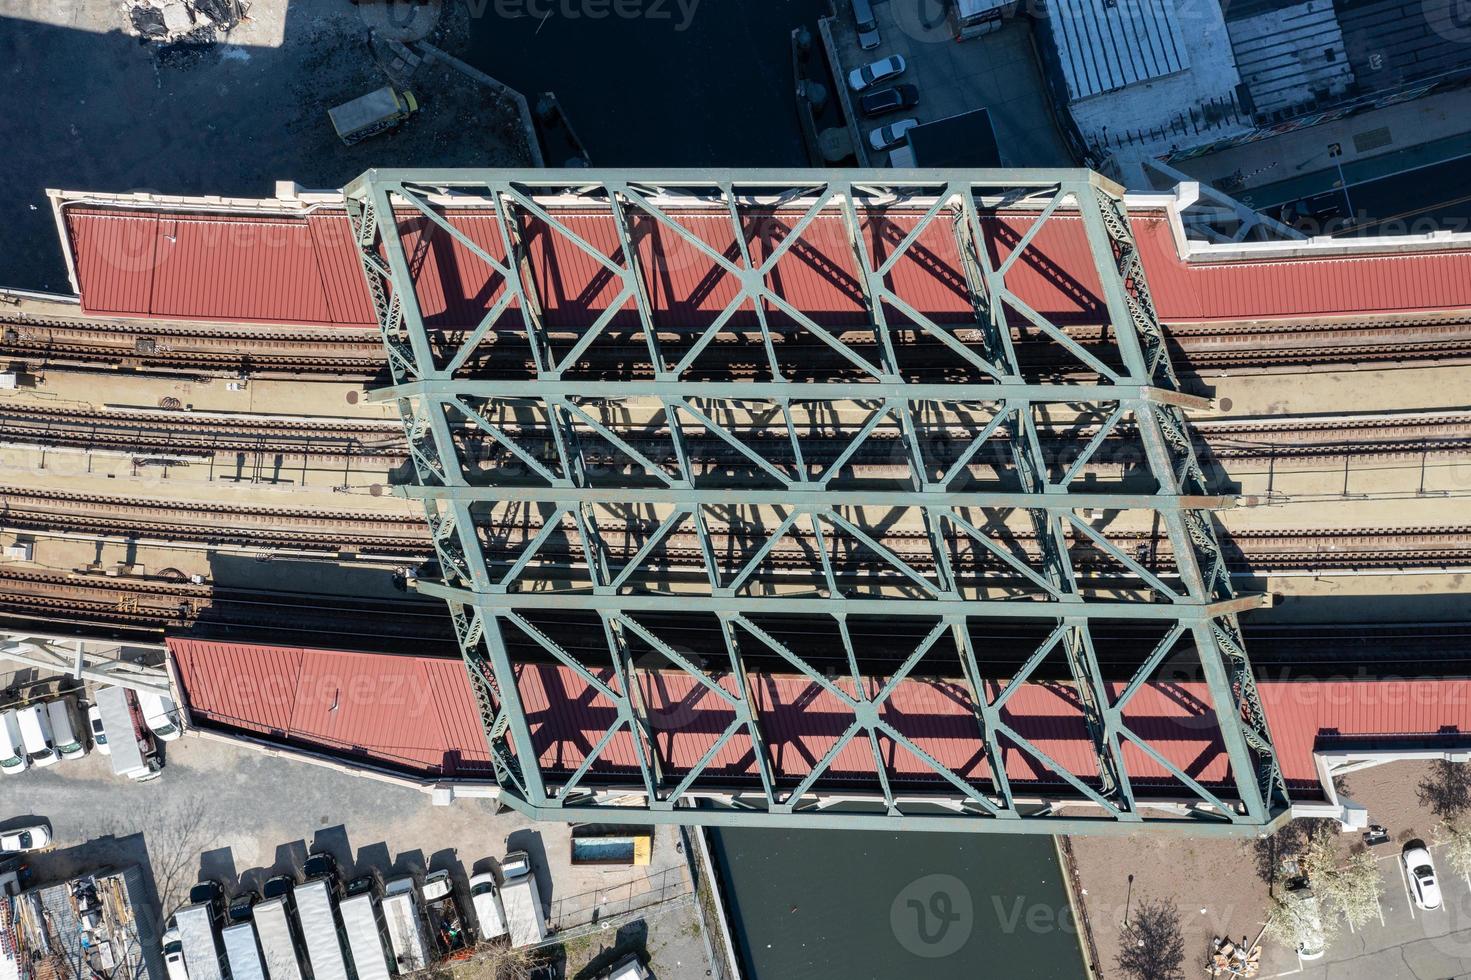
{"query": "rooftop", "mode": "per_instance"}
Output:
(800, 720)
(283, 265)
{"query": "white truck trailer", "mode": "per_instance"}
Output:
(242, 952)
(319, 930)
(524, 918)
(199, 932)
(277, 943)
(365, 936)
(130, 746)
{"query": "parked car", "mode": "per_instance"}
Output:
(161, 715)
(173, 952)
(99, 734)
(12, 746)
(1312, 943)
(31, 838)
(868, 27)
(1420, 872)
(891, 135)
(862, 79)
(882, 101)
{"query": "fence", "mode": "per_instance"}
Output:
(616, 900)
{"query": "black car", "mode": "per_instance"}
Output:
(887, 100)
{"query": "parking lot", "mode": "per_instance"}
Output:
(998, 71)
(1405, 942)
(238, 815)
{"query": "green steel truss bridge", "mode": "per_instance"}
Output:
(620, 324)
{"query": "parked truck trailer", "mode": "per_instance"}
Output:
(198, 927)
(319, 934)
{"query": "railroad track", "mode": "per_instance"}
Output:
(357, 353)
(163, 433)
(176, 434)
(173, 521)
(405, 539)
(171, 602)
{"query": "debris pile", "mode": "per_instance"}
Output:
(1229, 959)
(198, 21)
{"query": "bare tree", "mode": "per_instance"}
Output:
(1151, 943)
(1446, 789)
(176, 838)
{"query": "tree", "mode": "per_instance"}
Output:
(1446, 789)
(1291, 923)
(1151, 945)
(1457, 848)
(1352, 888)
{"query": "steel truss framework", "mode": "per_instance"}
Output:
(495, 604)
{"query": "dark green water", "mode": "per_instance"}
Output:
(847, 905)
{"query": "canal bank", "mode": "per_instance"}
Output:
(827, 905)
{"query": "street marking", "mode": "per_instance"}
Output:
(1404, 880)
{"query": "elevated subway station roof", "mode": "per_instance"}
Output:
(417, 716)
(273, 263)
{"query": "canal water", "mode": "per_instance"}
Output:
(831, 905)
(672, 83)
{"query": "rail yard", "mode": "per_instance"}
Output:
(951, 501)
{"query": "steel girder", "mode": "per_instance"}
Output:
(542, 417)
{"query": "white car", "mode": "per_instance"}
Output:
(1420, 873)
(161, 715)
(25, 838)
(882, 70)
(12, 747)
(893, 134)
(99, 734)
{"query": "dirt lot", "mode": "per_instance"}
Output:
(1220, 886)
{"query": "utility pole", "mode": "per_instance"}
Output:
(1335, 153)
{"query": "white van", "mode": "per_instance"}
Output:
(12, 748)
(161, 715)
(35, 735)
(63, 735)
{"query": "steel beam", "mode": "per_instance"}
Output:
(1193, 599)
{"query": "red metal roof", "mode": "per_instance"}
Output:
(413, 714)
(248, 269)
(419, 715)
(285, 269)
